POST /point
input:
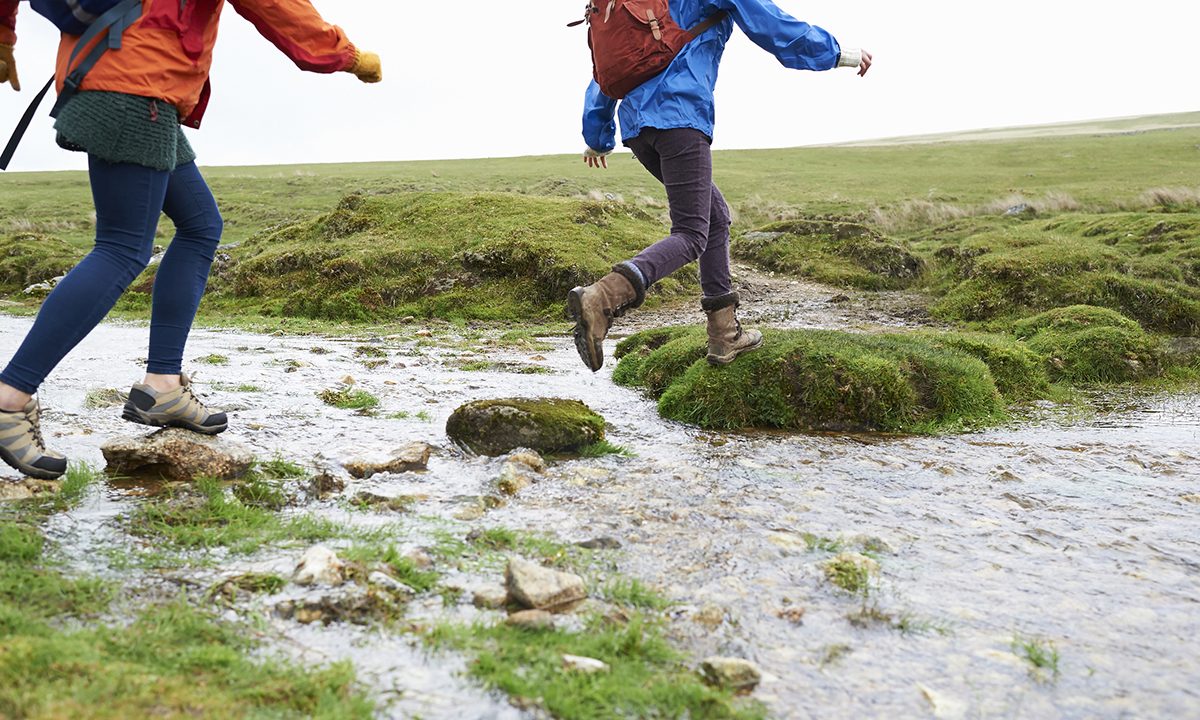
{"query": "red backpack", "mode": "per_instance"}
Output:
(634, 40)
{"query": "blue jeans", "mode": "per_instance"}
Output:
(129, 199)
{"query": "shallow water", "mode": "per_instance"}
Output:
(1074, 529)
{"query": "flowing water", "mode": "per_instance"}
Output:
(1079, 529)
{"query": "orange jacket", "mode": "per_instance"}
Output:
(168, 53)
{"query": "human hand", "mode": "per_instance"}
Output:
(367, 67)
(595, 159)
(865, 65)
(8, 68)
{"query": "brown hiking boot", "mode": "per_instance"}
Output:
(594, 307)
(22, 447)
(726, 338)
(179, 408)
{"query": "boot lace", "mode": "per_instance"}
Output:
(35, 428)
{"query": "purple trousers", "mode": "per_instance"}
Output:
(682, 160)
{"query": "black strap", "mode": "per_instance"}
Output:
(22, 126)
(115, 22)
(708, 24)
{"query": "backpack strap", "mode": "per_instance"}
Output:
(114, 22)
(708, 24)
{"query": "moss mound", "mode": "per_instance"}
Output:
(29, 258)
(1018, 370)
(495, 427)
(1130, 263)
(834, 252)
(1084, 344)
(820, 380)
(484, 256)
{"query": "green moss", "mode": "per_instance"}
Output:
(29, 258)
(347, 398)
(1073, 319)
(829, 381)
(213, 359)
(398, 566)
(647, 678)
(1083, 344)
(834, 252)
(548, 425)
(1018, 371)
(488, 256)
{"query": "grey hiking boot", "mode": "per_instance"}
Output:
(179, 408)
(726, 338)
(22, 447)
(594, 307)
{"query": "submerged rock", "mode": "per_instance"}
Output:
(531, 620)
(413, 457)
(731, 673)
(548, 425)
(535, 587)
(514, 477)
(600, 543)
(319, 566)
(178, 455)
(352, 603)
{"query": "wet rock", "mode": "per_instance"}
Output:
(419, 558)
(585, 665)
(600, 543)
(326, 484)
(532, 586)
(731, 673)
(531, 620)
(413, 457)
(178, 455)
(838, 299)
(12, 492)
(43, 289)
(246, 584)
(471, 509)
(793, 614)
(873, 544)
(319, 566)
(1194, 499)
(353, 604)
(1020, 210)
(709, 616)
(528, 458)
(389, 583)
(851, 571)
(496, 427)
(490, 598)
(514, 477)
(401, 503)
(944, 707)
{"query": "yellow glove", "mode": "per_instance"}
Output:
(8, 68)
(367, 67)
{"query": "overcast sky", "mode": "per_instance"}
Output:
(481, 79)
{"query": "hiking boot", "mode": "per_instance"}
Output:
(594, 307)
(22, 447)
(726, 338)
(179, 408)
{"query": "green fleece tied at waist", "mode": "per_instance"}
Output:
(120, 128)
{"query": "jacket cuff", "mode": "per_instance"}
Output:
(354, 56)
(850, 58)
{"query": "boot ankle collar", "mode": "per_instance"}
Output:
(634, 277)
(720, 302)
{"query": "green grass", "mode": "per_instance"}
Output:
(633, 593)
(170, 659)
(398, 566)
(213, 359)
(647, 677)
(348, 398)
(1041, 654)
(851, 574)
(206, 516)
(603, 449)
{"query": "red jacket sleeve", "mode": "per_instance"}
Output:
(296, 28)
(8, 22)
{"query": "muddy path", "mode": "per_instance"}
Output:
(1075, 528)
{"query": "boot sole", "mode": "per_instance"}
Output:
(721, 360)
(27, 470)
(133, 415)
(582, 337)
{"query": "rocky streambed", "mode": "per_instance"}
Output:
(1047, 568)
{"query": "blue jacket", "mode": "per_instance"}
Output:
(682, 95)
